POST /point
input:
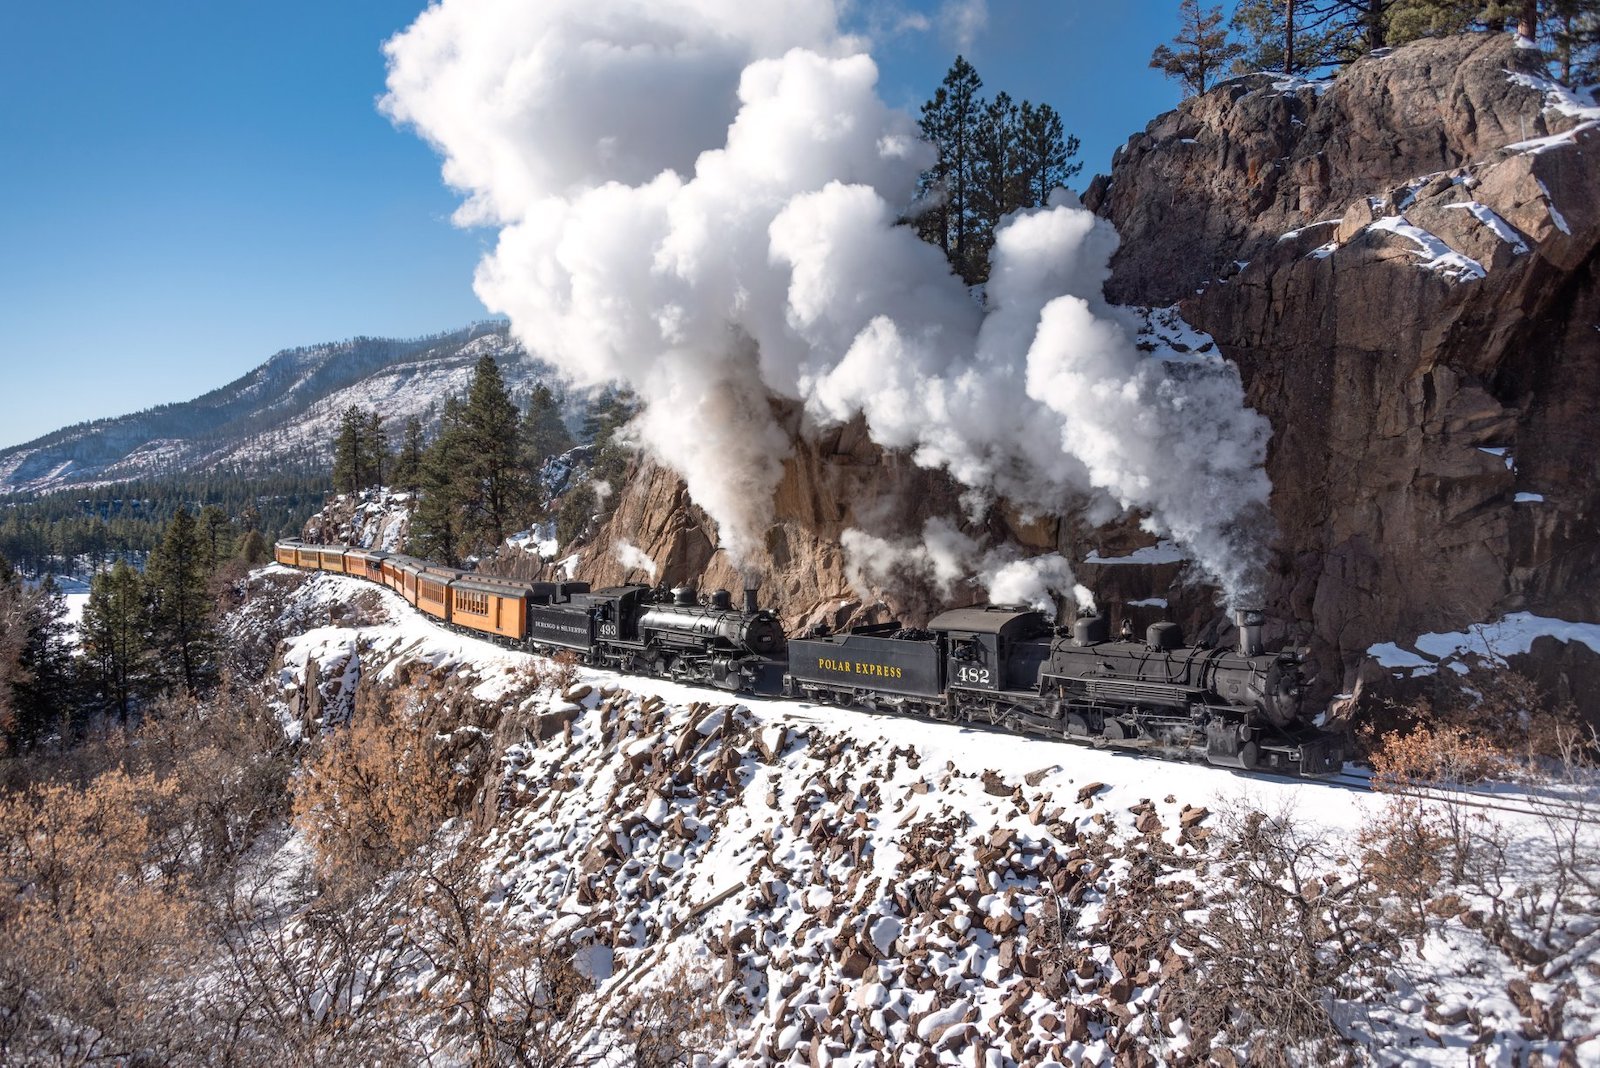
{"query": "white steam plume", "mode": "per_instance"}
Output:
(946, 557)
(633, 558)
(699, 198)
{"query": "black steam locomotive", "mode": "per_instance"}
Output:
(669, 634)
(1239, 708)
(1006, 666)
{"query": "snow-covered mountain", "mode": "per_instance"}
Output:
(282, 415)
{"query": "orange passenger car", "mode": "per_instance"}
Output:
(433, 594)
(495, 607)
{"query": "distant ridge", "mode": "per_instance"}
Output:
(280, 416)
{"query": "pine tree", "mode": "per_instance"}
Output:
(216, 532)
(436, 527)
(42, 697)
(544, 431)
(544, 437)
(497, 489)
(375, 449)
(1203, 49)
(1407, 20)
(181, 621)
(997, 189)
(116, 621)
(1573, 28)
(350, 451)
(1044, 154)
(994, 157)
(407, 470)
(1289, 36)
(253, 548)
(950, 121)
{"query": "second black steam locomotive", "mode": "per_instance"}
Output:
(1239, 708)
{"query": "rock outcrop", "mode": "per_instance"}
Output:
(1218, 180)
(1408, 286)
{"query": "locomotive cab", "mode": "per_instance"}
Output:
(991, 647)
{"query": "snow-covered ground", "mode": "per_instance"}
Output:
(860, 887)
(76, 594)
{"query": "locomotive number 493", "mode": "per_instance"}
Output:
(608, 630)
(977, 676)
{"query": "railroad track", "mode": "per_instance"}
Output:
(1580, 810)
(1585, 811)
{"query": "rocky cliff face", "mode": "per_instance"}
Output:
(1408, 286)
(1402, 264)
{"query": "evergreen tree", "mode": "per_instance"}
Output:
(994, 157)
(253, 549)
(350, 451)
(1203, 50)
(496, 487)
(1288, 36)
(407, 471)
(216, 532)
(950, 121)
(544, 432)
(375, 449)
(42, 696)
(1044, 153)
(1407, 20)
(181, 620)
(997, 186)
(436, 527)
(1573, 27)
(116, 622)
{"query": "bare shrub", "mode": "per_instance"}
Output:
(372, 793)
(233, 760)
(562, 672)
(673, 1025)
(1283, 933)
(1436, 753)
(1401, 856)
(510, 996)
(1491, 722)
(88, 940)
(311, 982)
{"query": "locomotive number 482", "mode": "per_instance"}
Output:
(975, 675)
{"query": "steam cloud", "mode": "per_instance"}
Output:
(633, 558)
(699, 198)
(946, 557)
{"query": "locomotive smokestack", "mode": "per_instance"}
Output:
(1249, 621)
(751, 585)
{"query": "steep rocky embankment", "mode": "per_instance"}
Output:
(850, 887)
(1402, 264)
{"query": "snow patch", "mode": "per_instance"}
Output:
(1511, 635)
(1162, 552)
(1435, 254)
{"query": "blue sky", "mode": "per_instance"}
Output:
(188, 187)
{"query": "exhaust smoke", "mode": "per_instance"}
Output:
(700, 199)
